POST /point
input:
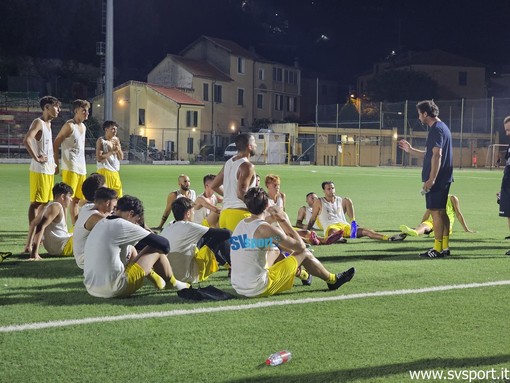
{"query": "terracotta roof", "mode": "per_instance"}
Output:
(175, 95)
(201, 68)
(437, 57)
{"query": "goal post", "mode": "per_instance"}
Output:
(496, 155)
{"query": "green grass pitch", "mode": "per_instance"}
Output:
(367, 338)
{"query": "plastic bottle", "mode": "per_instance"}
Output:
(278, 358)
(354, 229)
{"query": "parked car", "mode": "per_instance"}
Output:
(230, 151)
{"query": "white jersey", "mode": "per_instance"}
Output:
(279, 202)
(203, 212)
(230, 199)
(112, 162)
(331, 212)
(44, 146)
(183, 237)
(249, 273)
(81, 234)
(56, 235)
(73, 150)
(192, 195)
(308, 215)
(106, 251)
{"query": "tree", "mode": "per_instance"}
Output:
(397, 85)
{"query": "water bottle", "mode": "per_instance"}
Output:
(354, 229)
(278, 358)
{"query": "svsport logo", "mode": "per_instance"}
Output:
(243, 242)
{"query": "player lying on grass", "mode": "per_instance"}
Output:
(258, 267)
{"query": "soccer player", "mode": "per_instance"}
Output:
(331, 211)
(504, 194)
(39, 144)
(108, 156)
(258, 269)
(437, 174)
(305, 212)
(276, 197)
(72, 139)
(112, 266)
(183, 191)
(234, 180)
(427, 225)
(50, 226)
(194, 248)
(205, 209)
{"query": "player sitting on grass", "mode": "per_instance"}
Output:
(112, 266)
(194, 253)
(50, 226)
(331, 211)
(258, 268)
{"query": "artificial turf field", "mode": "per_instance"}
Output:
(400, 313)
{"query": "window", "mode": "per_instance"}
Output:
(218, 93)
(205, 92)
(240, 65)
(191, 118)
(261, 74)
(141, 116)
(260, 101)
(286, 76)
(463, 78)
(278, 102)
(242, 121)
(277, 74)
(240, 96)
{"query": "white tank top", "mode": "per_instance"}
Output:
(204, 212)
(44, 146)
(56, 234)
(73, 150)
(230, 199)
(111, 163)
(279, 202)
(331, 212)
(308, 215)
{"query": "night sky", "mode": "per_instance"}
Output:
(335, 39)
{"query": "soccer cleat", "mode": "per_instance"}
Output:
(342, 278)
(336, 237)
(397, 237)
(407, 230)
(432, 254)
(445, 253)
(156, 279)
(314, 240)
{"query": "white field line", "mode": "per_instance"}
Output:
(250, 306)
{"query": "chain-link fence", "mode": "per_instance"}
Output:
(366, 133)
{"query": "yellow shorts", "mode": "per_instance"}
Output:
(430, 224)
(41, 186)
(112, 180)
(68, 248)
(74, 180)
(229, 218)
(205, 223)
(135, 276)
(281, 276)
(339, 226)
(206, 262)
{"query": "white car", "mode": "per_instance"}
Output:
(230, 151)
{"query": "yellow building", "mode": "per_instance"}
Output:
(155, 117)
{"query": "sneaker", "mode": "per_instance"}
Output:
(407, 230)
(445, 253)
(432, 254)
(342, 278)
(314, 240)
(397, 237)
(335, 237)
(308, 281)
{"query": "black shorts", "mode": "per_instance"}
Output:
(504, 202)
(437, 197)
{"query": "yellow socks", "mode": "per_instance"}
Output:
(438, 245)
(331, 279)
(158, 282)
(446, 242)
(302, 274)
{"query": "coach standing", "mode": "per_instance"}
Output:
(437, 174)
(504, 200)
